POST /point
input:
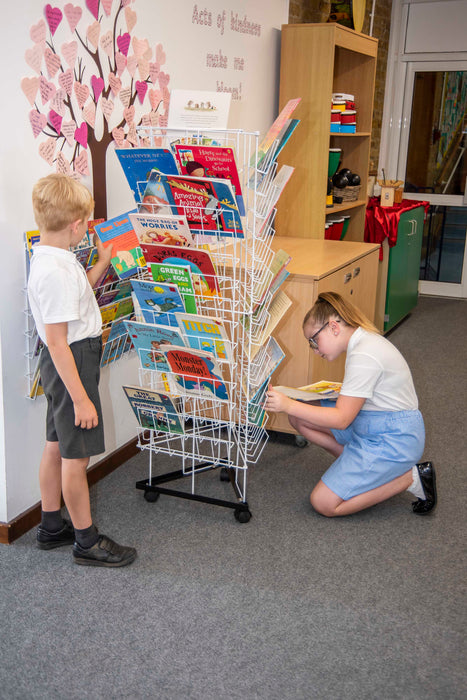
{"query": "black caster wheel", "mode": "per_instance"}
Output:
(243, 516)
(151, 496)
(224, 474)
(300, 441)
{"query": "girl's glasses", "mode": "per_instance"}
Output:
(312, 341)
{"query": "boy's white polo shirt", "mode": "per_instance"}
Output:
(59, 291)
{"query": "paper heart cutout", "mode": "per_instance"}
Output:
(69, 52)
(131, 64)
(81, 163)
(66, 80)
(123, 43)
(139, 46)
(129, 114)
(132, 136)
(52, 62)
(38, 122)
(160, 55)
(81, 135)
(107, 5)
(145, 120)
(73, 14)
(82, 93)
(143, 68)
(47, 150)
(155, 98)
(120, 62)
(68, 130)
(46, 89)
(55, 120)
(164, 79)
(38, 32)
(34, 57)
(166, 98)
(118, 136)
(154, 70)
(115, 83)
(54, 16)
(93, 7)
(130, 18)
(163, 120)
(57, 103)
(93, 33)
(141, 90)
(30, 87)
(97, 85)
(89, 113)
(107, 43)
(125, 3)
(125, 96)
(62, 165)
(107, 107)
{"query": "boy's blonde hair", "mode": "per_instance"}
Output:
(329, 304)
(58, 200)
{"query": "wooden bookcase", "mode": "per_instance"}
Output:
(317, 60)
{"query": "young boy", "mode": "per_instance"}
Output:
(69, 323)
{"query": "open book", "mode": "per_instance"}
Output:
(312, 392)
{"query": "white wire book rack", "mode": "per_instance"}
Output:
(220, 418)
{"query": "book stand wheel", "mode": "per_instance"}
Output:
(151, 496)
(242, 515)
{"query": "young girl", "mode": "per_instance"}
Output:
(374, 429)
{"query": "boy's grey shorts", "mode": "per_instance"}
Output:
(74, 442)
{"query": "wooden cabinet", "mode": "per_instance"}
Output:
(317, 60)
(349, 268)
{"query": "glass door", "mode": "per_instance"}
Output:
(433, 165)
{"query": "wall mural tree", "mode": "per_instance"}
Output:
(95, 83)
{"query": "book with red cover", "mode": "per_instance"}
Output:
(203, 272)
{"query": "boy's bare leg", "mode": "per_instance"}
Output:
(318, 436)
(76, 492)
(50, 477)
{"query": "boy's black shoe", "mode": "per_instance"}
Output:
(105, 552)
(427, 474)
(51, 540)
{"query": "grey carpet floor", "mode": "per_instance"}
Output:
(288, 606)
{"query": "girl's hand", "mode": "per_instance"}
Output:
(276, 402)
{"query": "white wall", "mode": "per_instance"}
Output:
(186, 44)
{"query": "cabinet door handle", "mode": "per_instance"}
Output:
(347, 277)
(356, 271)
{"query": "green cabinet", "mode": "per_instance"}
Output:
(404, 267)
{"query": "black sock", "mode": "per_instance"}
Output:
(88, 537)
(51, 520)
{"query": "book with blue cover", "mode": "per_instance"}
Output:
(157, 301)
(137, 164)
(148, 339)
(154, 410)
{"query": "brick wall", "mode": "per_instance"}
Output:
(308, 11)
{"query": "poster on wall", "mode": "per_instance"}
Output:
(198, 109)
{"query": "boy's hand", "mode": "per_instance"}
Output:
(276, 402)
(104, 255)
(85, 414)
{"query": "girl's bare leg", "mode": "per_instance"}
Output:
(318, 436)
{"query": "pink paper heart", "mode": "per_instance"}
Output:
(81, 163)
(125, 96)
(131, 64)
(30, 87)
(132, 136)
(89, 113)
(154, 119)
(52, 61)
(54, 16)
(154, 70)
(107, 107)
(38, 32)
(97, 85)
(155, 97)
(141, 90)
(62, 165)
(118, 136)
(47, 150)
(93, 7)
(57, 103)
(139, 46)
(93, 33)
(166, 98)
(73, 14)
(120, 62)
(164, 79)
(115, 83)
(160, 55)
(123, 43)
(38, 122)
(55, 120)
(107, 43)
(129, 114)
(143, 68)
(82, 93)
(68, 130)
(130, 17)
(125, 3)
(163, 120)
(66, 80)
(81, 135)
(34, 57)
(46, 89)
(69, 52)
(107, 5)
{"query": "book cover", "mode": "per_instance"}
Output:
(154, 410)
(148, 339)
(312, 392)
(205, 333)
(168, 230)
(276, 310)
(115, 342)
(137, 164)
(209, 204)
(267, 361)
(270, 273)
(211, 161)
(194, 372)
(273, 132)
(127, 255)
(256, 410)
(179, 275)
(203, 272)
(158, 302)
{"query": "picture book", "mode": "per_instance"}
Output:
(83, 255)
(137, 164)
(31, 238)
(312, 392)
(267, 361)
(168, 230)
(273, 132)
(209, 204)
(194, 372)
(92, 228)
(127, 255)
(256, 411)
(158, 302)
(276, 309)
(115, 342)
(270, 274)
(179, 275)
(154, 410)
(148, 338)
(205, 333)
(260, 221)
(211, 161)
(284, 135)
(203, 272)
